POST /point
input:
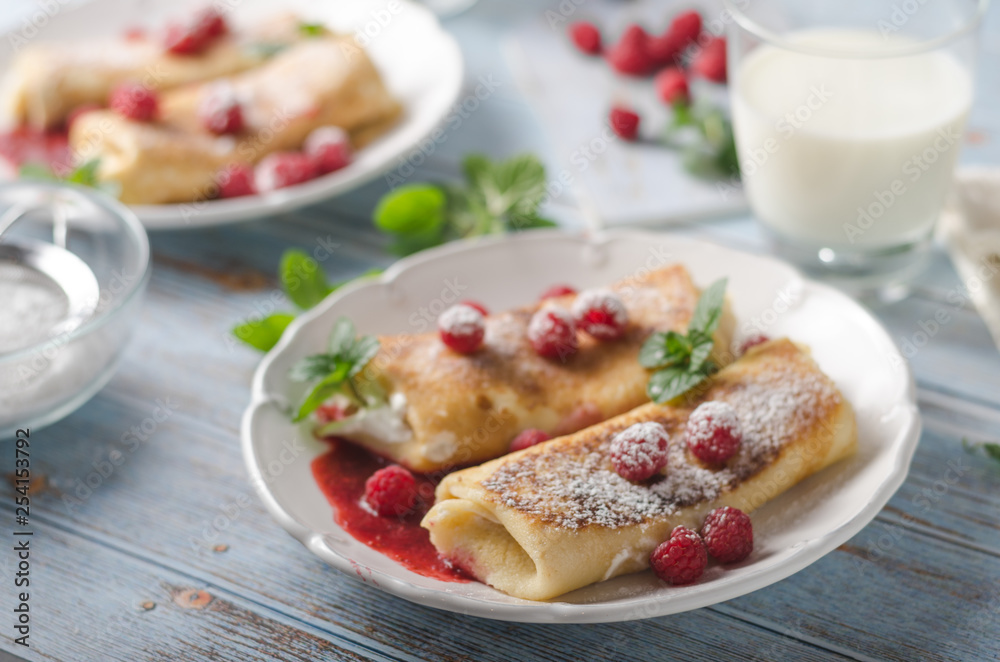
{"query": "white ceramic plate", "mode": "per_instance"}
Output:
(420, 63)
(791, 531)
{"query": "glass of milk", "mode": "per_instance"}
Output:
(848, 118)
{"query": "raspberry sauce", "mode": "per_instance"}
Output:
(341, 473)
(24, 145)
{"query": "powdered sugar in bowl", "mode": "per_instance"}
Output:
(73, 268)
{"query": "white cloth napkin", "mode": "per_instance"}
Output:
(970, 227)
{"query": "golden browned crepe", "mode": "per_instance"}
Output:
(321, 81)
(453, 410)
(49, 80)
(556, 517)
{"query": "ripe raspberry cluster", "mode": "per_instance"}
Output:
(726, 535)
(325, 150)
(552, 330)
(680, 51)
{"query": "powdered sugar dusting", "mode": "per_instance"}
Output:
(640, 450)
(610, 307)
(547, 321)
(461, 320)
(576, 489)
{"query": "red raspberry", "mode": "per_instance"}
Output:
(728, 534)
(631, 54)
(711, 62)
(751, 341)
(600, 313)
(556, 291)
(552, 333)
(283, 169)
(681, 559)
(666, 50)
(527, 438)
(586, 36)
(235, 180)
(135, 102)
(332, 411)
(462, 328)
(640, 450)
(625, 123)
(713, 432)
(75, 114)
(672, 86)
(329, 147)
(475, 304)
(194, 36)
(219, 111)
(391, 491)
(686, 26)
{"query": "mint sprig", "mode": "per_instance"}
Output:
(305, 284)
(681, 361)
(496, 197)
(336, 370)
(704, 136)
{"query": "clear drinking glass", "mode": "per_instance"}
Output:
(848, 118)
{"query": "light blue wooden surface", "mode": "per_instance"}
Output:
(172, 557)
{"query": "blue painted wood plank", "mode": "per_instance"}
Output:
(89, 602)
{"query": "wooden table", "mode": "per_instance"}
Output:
(169, 555)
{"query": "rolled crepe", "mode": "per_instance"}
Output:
(49, 80)
(450, 410)
(320, 81)
(556, 517)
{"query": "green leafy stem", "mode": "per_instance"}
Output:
(336, 371)
(681, 361)
(496, 197)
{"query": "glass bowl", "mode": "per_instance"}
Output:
(74, 265)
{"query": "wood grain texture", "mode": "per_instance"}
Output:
(174, 523)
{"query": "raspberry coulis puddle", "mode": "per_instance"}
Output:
(341, 473)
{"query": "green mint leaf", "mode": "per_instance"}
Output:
(514, 186)
(264, 334)
(360, 353)
(708, 310)
(408, 244)
(992, 450)
(263, 50)
(671, 382)
(701, 349)
(518, 222)
(311, 29)
(302, 279)
(653, 353)
(314, 367)
(36, 171)
(85, 174)
(664, 349)
(327, 387)
(415, 209)
(341, 337)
